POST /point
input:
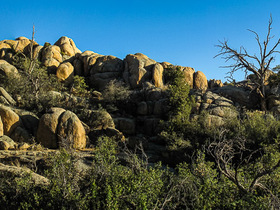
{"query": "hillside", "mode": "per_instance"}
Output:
(69, 118)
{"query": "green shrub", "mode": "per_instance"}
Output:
(79, 86)
(31, 85)
(116, 91)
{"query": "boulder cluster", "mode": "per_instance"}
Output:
(66, 60)
(137, 120)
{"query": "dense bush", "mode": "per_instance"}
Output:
(131, 182)
(31, 85)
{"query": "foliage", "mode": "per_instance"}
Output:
(31, 86)
(115, 91)
(79, 86)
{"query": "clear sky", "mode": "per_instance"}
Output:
(180, 32)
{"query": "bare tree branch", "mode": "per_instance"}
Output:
(259, 66)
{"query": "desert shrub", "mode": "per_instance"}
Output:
(115, 91)
(79, 86)
(116, 186)
(31, 85)
(178, 131)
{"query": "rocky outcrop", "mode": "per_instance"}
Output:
(125, 125)
(158, 75)
(10, 120)
(6, 51)
(7, 143)
(85, 62)
(7, 69)
(200, 81)
(241, 96)
(105, 69)
(189, 75)
(212, 83)
(59, 127)
(98, 119)
(65, 73)
(51, 57)
(71, 131)
(67, 46)
(138, 69)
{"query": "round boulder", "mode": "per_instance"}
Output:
(10, 119)
(61, 128)
(200, 81)
(71, 131)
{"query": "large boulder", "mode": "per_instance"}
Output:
(65, 72)
(200, 81)
(138, 69)
(22, 43)
(67, 46)
(158, 75)
(188, 74)
(6, 51)
(59, 127)
(51, 56)
(71, 131)
(7, 69)
(98, 119)
(10, 119)
(107, 63)
(47, 129)
(104, 70)
(85, 62)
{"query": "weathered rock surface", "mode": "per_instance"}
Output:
(158, 75)
(189, 75)
(10, 119)
(200, 81)
(59, 127)
(71, 131)
(46, 133)
(67, 46)
(242, 96)
(105, 69)
(212, 83)
(138, 69)
(65, 72)
(51, 57)
(7, 69)
(99, 119)
(7, 143)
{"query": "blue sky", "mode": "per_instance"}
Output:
(180, 32)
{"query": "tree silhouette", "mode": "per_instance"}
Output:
(258, 64)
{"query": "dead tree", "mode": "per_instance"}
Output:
(258, 64)
(232, 156)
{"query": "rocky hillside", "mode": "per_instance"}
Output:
(80, 130)
(132, 93)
